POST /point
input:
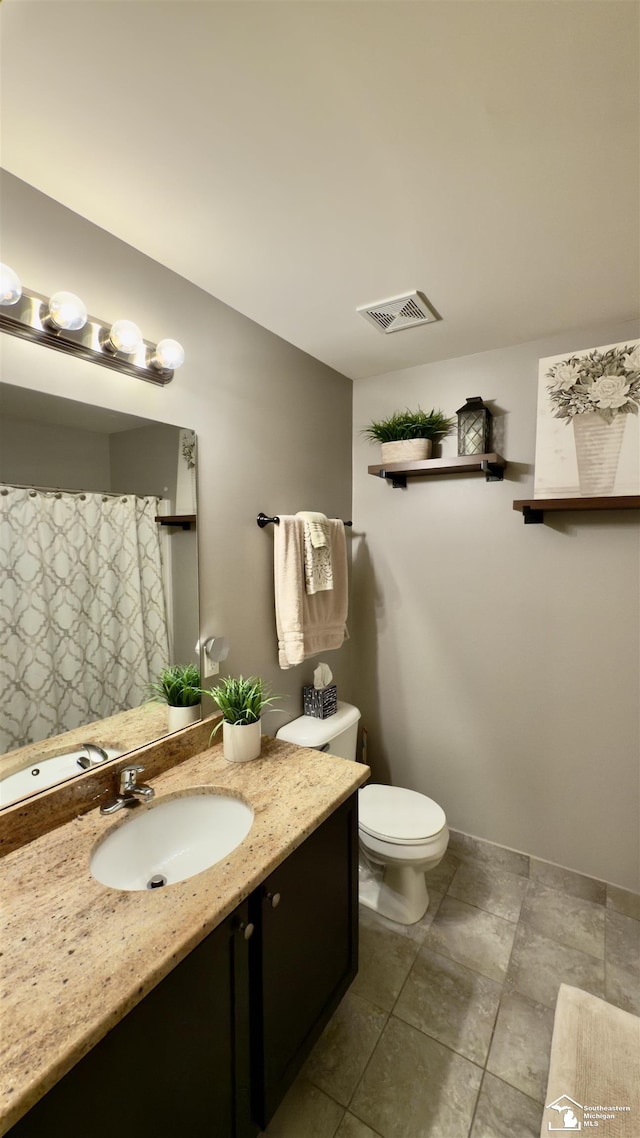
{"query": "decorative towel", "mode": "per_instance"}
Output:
(318, 526)
(306, 624)
(318, 566)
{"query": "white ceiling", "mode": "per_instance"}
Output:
(298, 159)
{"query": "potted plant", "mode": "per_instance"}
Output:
(241, 703)
(408, 435)
(179, 687)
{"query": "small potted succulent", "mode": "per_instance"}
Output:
(179, 687)
(408, 435)
(241, 703)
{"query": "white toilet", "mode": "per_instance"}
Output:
(402, 833)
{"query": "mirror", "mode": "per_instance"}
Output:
(96, 595)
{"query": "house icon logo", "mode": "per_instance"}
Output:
(568, 1119)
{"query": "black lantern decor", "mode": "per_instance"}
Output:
(474, 426)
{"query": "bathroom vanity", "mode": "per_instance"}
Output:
(186, 1010)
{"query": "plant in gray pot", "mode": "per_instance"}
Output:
(241, 703)
(406, 436)
(179, 687)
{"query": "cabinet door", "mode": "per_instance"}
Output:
(173, 1065)
(304, 954)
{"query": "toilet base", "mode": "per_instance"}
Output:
(400, 894)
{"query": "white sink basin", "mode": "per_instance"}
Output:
(171, 840)
(40, 774)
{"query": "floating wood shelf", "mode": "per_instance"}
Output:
(177, 521)
(491, 465)
(533, 509)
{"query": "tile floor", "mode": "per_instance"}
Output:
(446, 1030)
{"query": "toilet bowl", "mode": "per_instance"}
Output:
(403, 834)
(406, 834)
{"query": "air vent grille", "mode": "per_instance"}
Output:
(399, 312)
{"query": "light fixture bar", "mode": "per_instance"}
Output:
(27, 319)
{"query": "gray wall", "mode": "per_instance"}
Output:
(496, 663)
(49, 454)
(273, 424)
(145, 460)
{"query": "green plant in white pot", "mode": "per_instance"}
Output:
(179, 687)
(408, 435)
(241, 703)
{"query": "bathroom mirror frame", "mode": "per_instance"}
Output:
(148, 722)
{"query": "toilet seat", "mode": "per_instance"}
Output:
(399, 816)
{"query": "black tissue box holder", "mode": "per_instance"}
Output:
(320, 702)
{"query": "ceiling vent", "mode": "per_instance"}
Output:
(399, 312)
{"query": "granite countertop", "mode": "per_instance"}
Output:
(78, 955)
(138, 725)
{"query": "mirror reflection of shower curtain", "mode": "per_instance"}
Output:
(83, 623)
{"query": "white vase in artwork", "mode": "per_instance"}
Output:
(241, 742)
(180, 717)
(598, 445)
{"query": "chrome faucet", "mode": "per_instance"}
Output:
(128, 790)
(96, 754)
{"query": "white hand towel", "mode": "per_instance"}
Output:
(307, 625)
(318, 568)
(318, 526)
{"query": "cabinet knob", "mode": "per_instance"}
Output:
(247, 929)
(273, 899)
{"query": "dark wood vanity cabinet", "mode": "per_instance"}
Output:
(304, 954)
(211, 1051)
(176, 1065)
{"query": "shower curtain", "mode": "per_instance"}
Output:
(83, 623)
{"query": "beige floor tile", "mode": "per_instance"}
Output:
(341, 1054)
(503, 1112)
(539, 965)
(521, 1045)
(490, 888)
(416, 1088)
(305, 1112)
(622, 961)
(417, 931)
(567, 881)
(486, 853)
(569, 920)
(386, 957)
(623, 901)
(439, 878)
(477, 939)
(352, 1127)
(451, 1004)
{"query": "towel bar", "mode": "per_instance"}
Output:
(262, 520)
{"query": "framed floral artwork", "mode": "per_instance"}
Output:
(588, 427)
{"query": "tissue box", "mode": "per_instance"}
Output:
(320, 702)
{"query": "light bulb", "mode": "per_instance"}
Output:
(10, 287)
(67, 312)
(169, 355)
(124, 336)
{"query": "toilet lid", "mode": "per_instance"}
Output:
(399, 815)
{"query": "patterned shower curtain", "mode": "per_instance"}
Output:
(83, 623)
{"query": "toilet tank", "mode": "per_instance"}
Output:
(338, 734)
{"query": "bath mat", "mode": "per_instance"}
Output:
(594, 1075)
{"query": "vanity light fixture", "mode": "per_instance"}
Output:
(168, 354)
(65, 312)
(10, 287)
(124, 336)
(62, 322)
